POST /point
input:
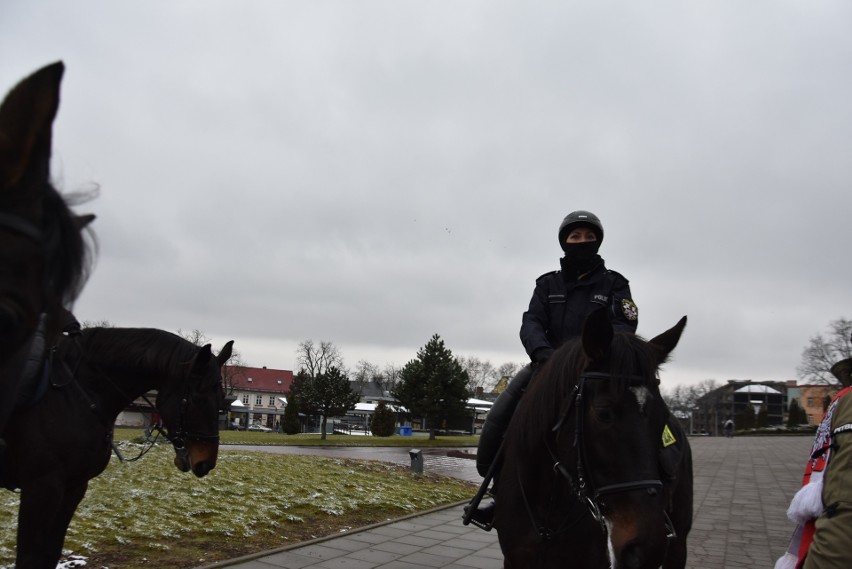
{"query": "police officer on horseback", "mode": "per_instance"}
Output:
(560, 303)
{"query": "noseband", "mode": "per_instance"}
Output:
(581, 486)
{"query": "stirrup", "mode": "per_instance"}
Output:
(483, 518)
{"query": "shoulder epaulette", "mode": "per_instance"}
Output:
(545, 275)
(616, 274)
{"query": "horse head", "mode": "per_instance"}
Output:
(622, 430)
(190, 411)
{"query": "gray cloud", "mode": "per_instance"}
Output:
(372, 173)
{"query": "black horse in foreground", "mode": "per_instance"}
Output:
(44, 259)
(596, 473)
(64, 439)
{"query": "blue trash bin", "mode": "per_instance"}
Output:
(405, 430)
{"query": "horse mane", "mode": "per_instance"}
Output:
(551, 387)
(69, 254)
(150, 349)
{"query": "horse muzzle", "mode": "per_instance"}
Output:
(199, 459)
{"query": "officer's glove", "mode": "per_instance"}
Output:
(541, 355)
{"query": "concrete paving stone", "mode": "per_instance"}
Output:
(437, 534)
(375, 556)
(285, 560)
(322, 551)
(446, 551)
(418, 541)
(344, 563)
(368, 537)
(402, 565)
(427, 559)
(396, 547)
(477, 562)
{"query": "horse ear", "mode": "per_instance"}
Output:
(202, 357)
(663, 344)
(597, 334)
(26, 125)
(225, 353)
(82, 221)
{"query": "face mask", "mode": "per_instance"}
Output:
(581, 253)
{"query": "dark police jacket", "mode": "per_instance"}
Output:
(558, 308)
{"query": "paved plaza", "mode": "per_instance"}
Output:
(742, 488)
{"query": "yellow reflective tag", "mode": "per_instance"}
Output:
(668, 437)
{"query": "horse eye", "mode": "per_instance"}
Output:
(603, 414)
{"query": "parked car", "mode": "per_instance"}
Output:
(259, 428)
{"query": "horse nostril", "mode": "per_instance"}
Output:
(203, 468)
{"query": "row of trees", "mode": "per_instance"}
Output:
(433, 385)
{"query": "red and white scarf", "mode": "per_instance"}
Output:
(807, 505)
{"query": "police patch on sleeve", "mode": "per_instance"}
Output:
(668, 437)
(629, 308)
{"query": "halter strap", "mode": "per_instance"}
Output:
(21, 226)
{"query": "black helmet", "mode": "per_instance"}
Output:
(577, 219)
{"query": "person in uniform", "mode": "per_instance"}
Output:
(822, 508)
(560, 303)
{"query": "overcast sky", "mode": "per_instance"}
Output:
(371, 173)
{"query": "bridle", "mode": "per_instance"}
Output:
(182, 434)
(21, 226)
(581, 485)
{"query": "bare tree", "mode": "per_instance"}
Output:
(389, 377)
(317, 359)
(508, 370)
(365, 372)
(97, 324)
(824, 351)
(481, 372)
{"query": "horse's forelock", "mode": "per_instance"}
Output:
(630, 357)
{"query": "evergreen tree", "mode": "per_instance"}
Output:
(763, 417)
(290, 420)
(327, 394)
(796, 414)
(433, 385)
(383, 423)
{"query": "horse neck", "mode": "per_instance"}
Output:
(138, 368)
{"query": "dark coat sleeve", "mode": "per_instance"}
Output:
(536, 320)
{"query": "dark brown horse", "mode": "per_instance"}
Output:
(43, 256)
(596, 473)
(63, 439)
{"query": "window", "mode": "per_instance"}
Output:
(245, 399)
(258, 400)
(272, 401)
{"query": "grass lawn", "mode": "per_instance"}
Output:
(256, 438)
(148, 514)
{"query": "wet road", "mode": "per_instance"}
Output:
(434, 459)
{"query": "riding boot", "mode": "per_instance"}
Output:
(492, 436)
(498, 419)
